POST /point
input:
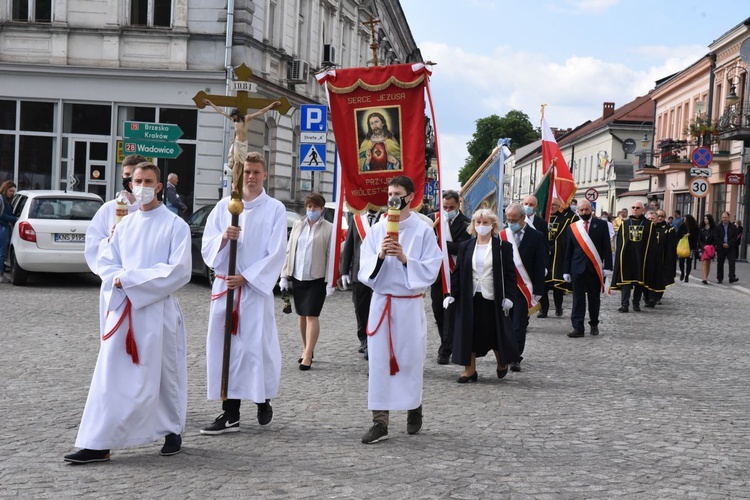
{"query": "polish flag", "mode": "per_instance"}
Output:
(564, 186)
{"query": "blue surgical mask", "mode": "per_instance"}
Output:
(574, 208)
(452, 214)
(514, 226)
(313, 215)
(529, 211)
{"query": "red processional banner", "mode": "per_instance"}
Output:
(378, 122)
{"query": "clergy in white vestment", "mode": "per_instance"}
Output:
(138, 393)
(255, 354)
(399, 273)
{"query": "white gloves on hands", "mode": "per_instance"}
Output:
(345, 281)
(448, 301)
(537, 298)
(329, 290)
(507, 305)
(607, 273)
(566, 277)
(284, 284)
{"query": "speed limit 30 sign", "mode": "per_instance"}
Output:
(699, 187)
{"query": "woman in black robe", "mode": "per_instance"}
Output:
(483, 284)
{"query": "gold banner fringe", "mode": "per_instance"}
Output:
(376, 88)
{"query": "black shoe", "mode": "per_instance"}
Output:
(575, 334)
(172, 445)
(471, 378)
(224, 423)
(304, 367)
(649, 303)
(682, 277)
(594, 330)
(501, 373)
(414, 421)
(443, 359)
(623, 309)
(265, 412)
(687, 278)
(558, 312)
(733, 280)
(637, 307)
(365, 355)
(704, 282)
(541, 315)
(86, 456)
(376, 433)
(720, 281)
(515, 366)
(362, 346)
(299, 360)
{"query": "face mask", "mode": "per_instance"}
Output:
(404, 204)
(483, 230)
(584, 216)
(144, 195)
(515, 226)
(574, 208)
(452, 214)
(529, 211)
(313, 215)
(126, 184)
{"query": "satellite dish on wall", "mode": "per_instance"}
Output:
(628, 146)
(745, 51)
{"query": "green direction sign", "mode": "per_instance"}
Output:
(154, 149)
(152, 131)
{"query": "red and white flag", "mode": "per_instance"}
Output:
(564, 185)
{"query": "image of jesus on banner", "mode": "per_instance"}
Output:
(377, 132)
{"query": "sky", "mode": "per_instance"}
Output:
(573, 55)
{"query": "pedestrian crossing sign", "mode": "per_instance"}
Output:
(312, 157)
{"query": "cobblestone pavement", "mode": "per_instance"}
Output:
(656, 407)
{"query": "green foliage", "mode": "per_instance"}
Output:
(515, 125)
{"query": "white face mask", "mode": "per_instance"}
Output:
(144, 195)
(483, 230)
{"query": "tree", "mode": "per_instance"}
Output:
(515, 125)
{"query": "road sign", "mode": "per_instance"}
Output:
(313, 137)
(591, 194)
(152, 131)
(701, 157)
(313, 118)
(699, 187)
(155, 149)
(312, 157)
(700, 172)
(430, 187)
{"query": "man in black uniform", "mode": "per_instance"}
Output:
(633, 239)
(559, 220)
(458, 223)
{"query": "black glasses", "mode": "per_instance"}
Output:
(637, 208)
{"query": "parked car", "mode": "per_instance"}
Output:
(197, 223)
(50, 233)
(330, 210)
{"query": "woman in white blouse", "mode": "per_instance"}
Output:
(305, 266)
(483, 285)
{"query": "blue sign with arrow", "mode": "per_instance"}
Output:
(312, 157)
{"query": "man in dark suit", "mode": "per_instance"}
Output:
(349, 269)
(530, 207)
(458, 223)
(531, 245)
(588, 261)
(726, 249)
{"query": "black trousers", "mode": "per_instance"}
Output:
(443, 317)
(361, 295)
(585, 286)
(723, 254)
(625, 291)
(686, 263)
(557, 297)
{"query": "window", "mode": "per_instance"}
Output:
(39, 11)
(271, 22)
(35, 155)
(684, 203)
(7, 115)
(89, 119)
(7, 157)
(718, 200)
(151, 13)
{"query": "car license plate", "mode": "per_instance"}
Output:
(67, 237)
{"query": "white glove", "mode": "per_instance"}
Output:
(607, 273)
(507, 305)
(566, 277)
(329, 290)
(284, 284)
(537, 298)
(448, 301)
(345, 281)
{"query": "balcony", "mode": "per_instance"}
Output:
(734, 124)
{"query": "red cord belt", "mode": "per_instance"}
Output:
(130, 346)
(387, 310)
(236, 309)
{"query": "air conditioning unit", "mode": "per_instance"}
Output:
(299, 70)
(329, 55)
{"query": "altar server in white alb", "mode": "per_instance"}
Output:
(255, 355)
(138, 392)
(399, 272)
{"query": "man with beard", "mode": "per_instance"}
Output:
(633, 239)
(379, 150)
(559, 220)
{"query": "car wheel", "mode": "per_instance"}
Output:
(17, 275)
(210, 275)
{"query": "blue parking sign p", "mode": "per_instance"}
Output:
(313, 118)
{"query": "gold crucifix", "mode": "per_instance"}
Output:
(374, 45)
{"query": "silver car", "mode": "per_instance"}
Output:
(50, 232)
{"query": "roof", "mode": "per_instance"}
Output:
(35, 193)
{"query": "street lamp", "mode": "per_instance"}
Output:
(735, 76)
(645, 141)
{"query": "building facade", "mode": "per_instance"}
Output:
(73, 71)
